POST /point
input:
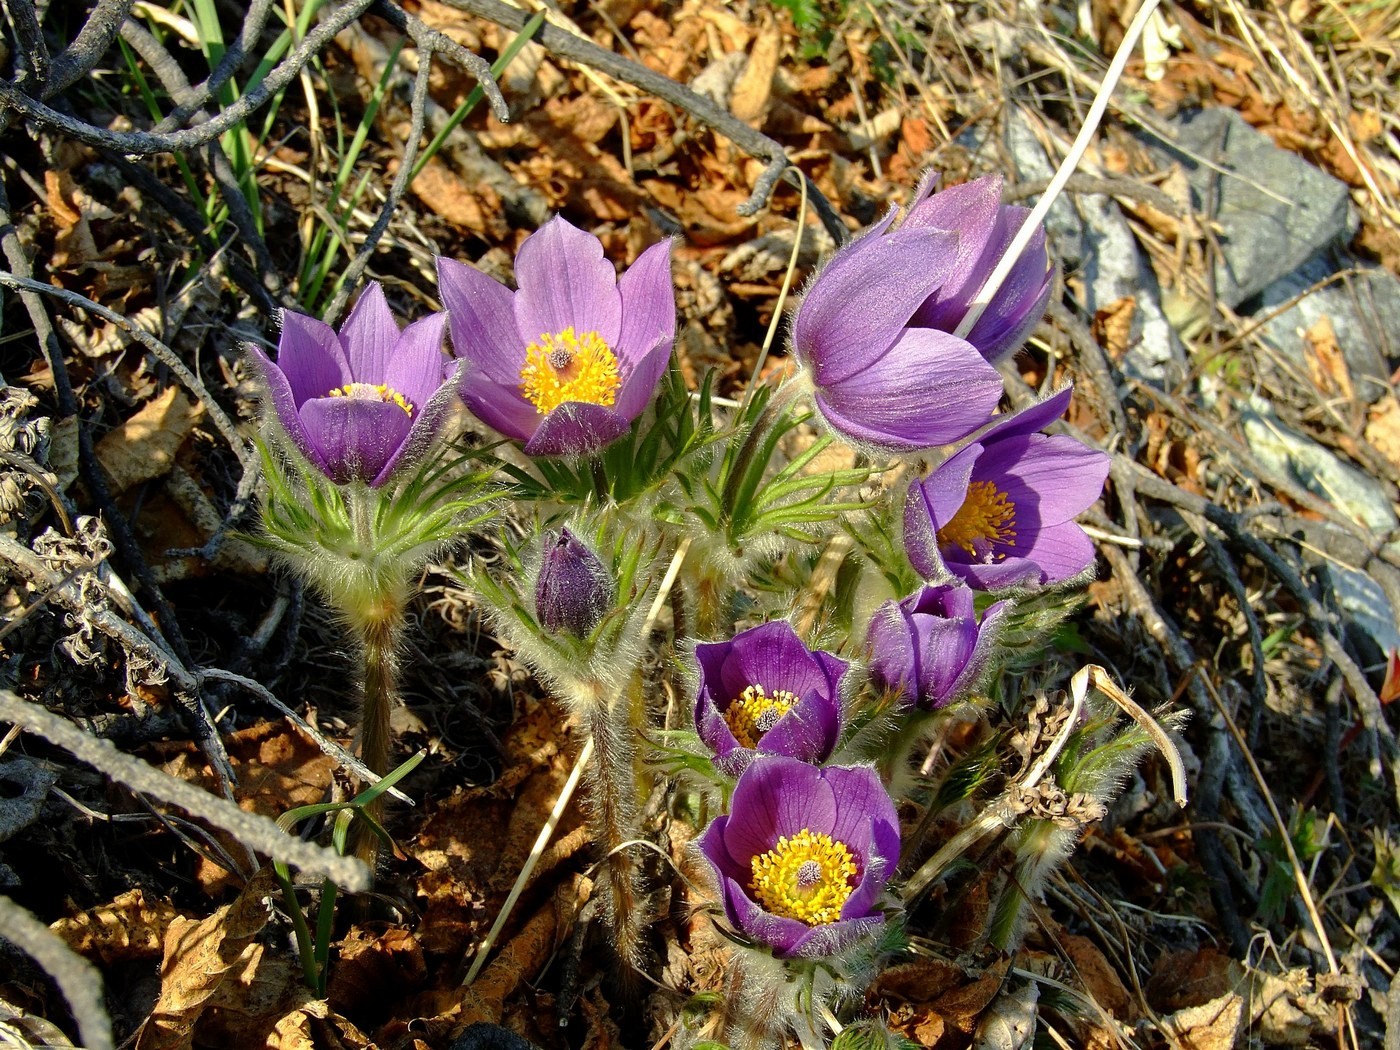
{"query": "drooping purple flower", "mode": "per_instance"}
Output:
(985, 229)
(878, 380)
(574, 589)
(803, 855)
(1000, 513)
(366, 402)
(764, 692)
(567, 362)
(930, 648)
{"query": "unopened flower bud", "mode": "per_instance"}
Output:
(574, 589)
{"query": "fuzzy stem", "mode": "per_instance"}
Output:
(612, 792)
(380, 635)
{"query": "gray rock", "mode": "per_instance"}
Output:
(1274, 209)
(1353, 492)
(1364, 309)
(1115, 268)
(1093, 240)
(1362, 602)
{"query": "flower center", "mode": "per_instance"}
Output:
(755, 712)
(566, 366)
(986, 517)
(371, 392)
(807, 877)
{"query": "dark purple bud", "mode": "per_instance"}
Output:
(574, 590)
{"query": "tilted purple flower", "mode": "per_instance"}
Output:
(878, 380)
(1000, 513)
(985, 229)
(574, 589)
(567, 362)
(803, 855)
(931, 648)
(764, 692)
(364, 403)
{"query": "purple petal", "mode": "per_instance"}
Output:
(858, 305)
(731, 758)
(786, 936)
(1048, 480)
(773, 656)
(369, 336)
(971, 211)
(711, 844)
(930, 389)
(356, 436)
(640, 384)
(427, 426)
(564, 282)
(648, 306)
(776, 796)
(481, 313)
(1020, 303)
(576, 429)
(808, 732)
(860, 800)
(882, 856)
(930, 504)
(278, 392)
(311, 357)
(415, 369)
(1029, 420)
(500, 407)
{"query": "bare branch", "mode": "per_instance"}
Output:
(257, 832)
(78, 980)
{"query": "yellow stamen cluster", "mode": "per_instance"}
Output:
(755, 712)
(807, 877)
(371, 392)
(986, 517)
(567, 366)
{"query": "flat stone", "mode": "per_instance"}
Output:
(1364, 309)
(1354, 492)
(1274, 210)
(1097, 246)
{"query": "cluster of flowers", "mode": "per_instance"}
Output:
(567, 363)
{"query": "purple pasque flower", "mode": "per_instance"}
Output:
(985, 229)
(878, 380)
(764, 692)
(363, 403)
(1000, 513)
(803, 854)
(569, 360)
(930, 648)
(574, 588)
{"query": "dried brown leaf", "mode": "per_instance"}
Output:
(144, 446)
(199, 957)
(130, 927)
(1327, 365)
(754, 88)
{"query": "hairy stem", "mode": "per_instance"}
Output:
(613, 813)
(380, 635)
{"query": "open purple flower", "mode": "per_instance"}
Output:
(765, 692)
(803, 854)
(878, 380)
(985, 229)
(1000, 513)
(567, 362)
(365, 403)
(930, 648)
